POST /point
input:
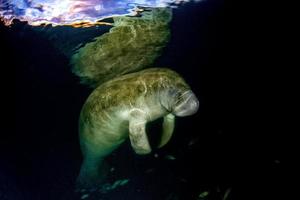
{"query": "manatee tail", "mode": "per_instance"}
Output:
(133, 43)
(92, 173)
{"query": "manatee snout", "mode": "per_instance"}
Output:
(188, 104)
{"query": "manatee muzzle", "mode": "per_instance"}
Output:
(187, 105)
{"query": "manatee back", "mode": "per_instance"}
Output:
(125, 89)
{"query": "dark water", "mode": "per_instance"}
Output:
(40, 156)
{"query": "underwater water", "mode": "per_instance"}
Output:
(41, 158)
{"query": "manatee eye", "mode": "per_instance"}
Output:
(174, 93)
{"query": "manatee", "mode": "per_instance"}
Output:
(126, 96)
(120, 109)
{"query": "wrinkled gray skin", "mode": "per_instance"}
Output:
(120, 108)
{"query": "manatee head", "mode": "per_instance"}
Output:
(180, 100)
(184, 103)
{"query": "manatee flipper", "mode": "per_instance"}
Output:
(137, 133)
(168, 129)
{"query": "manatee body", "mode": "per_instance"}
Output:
(121, 107)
